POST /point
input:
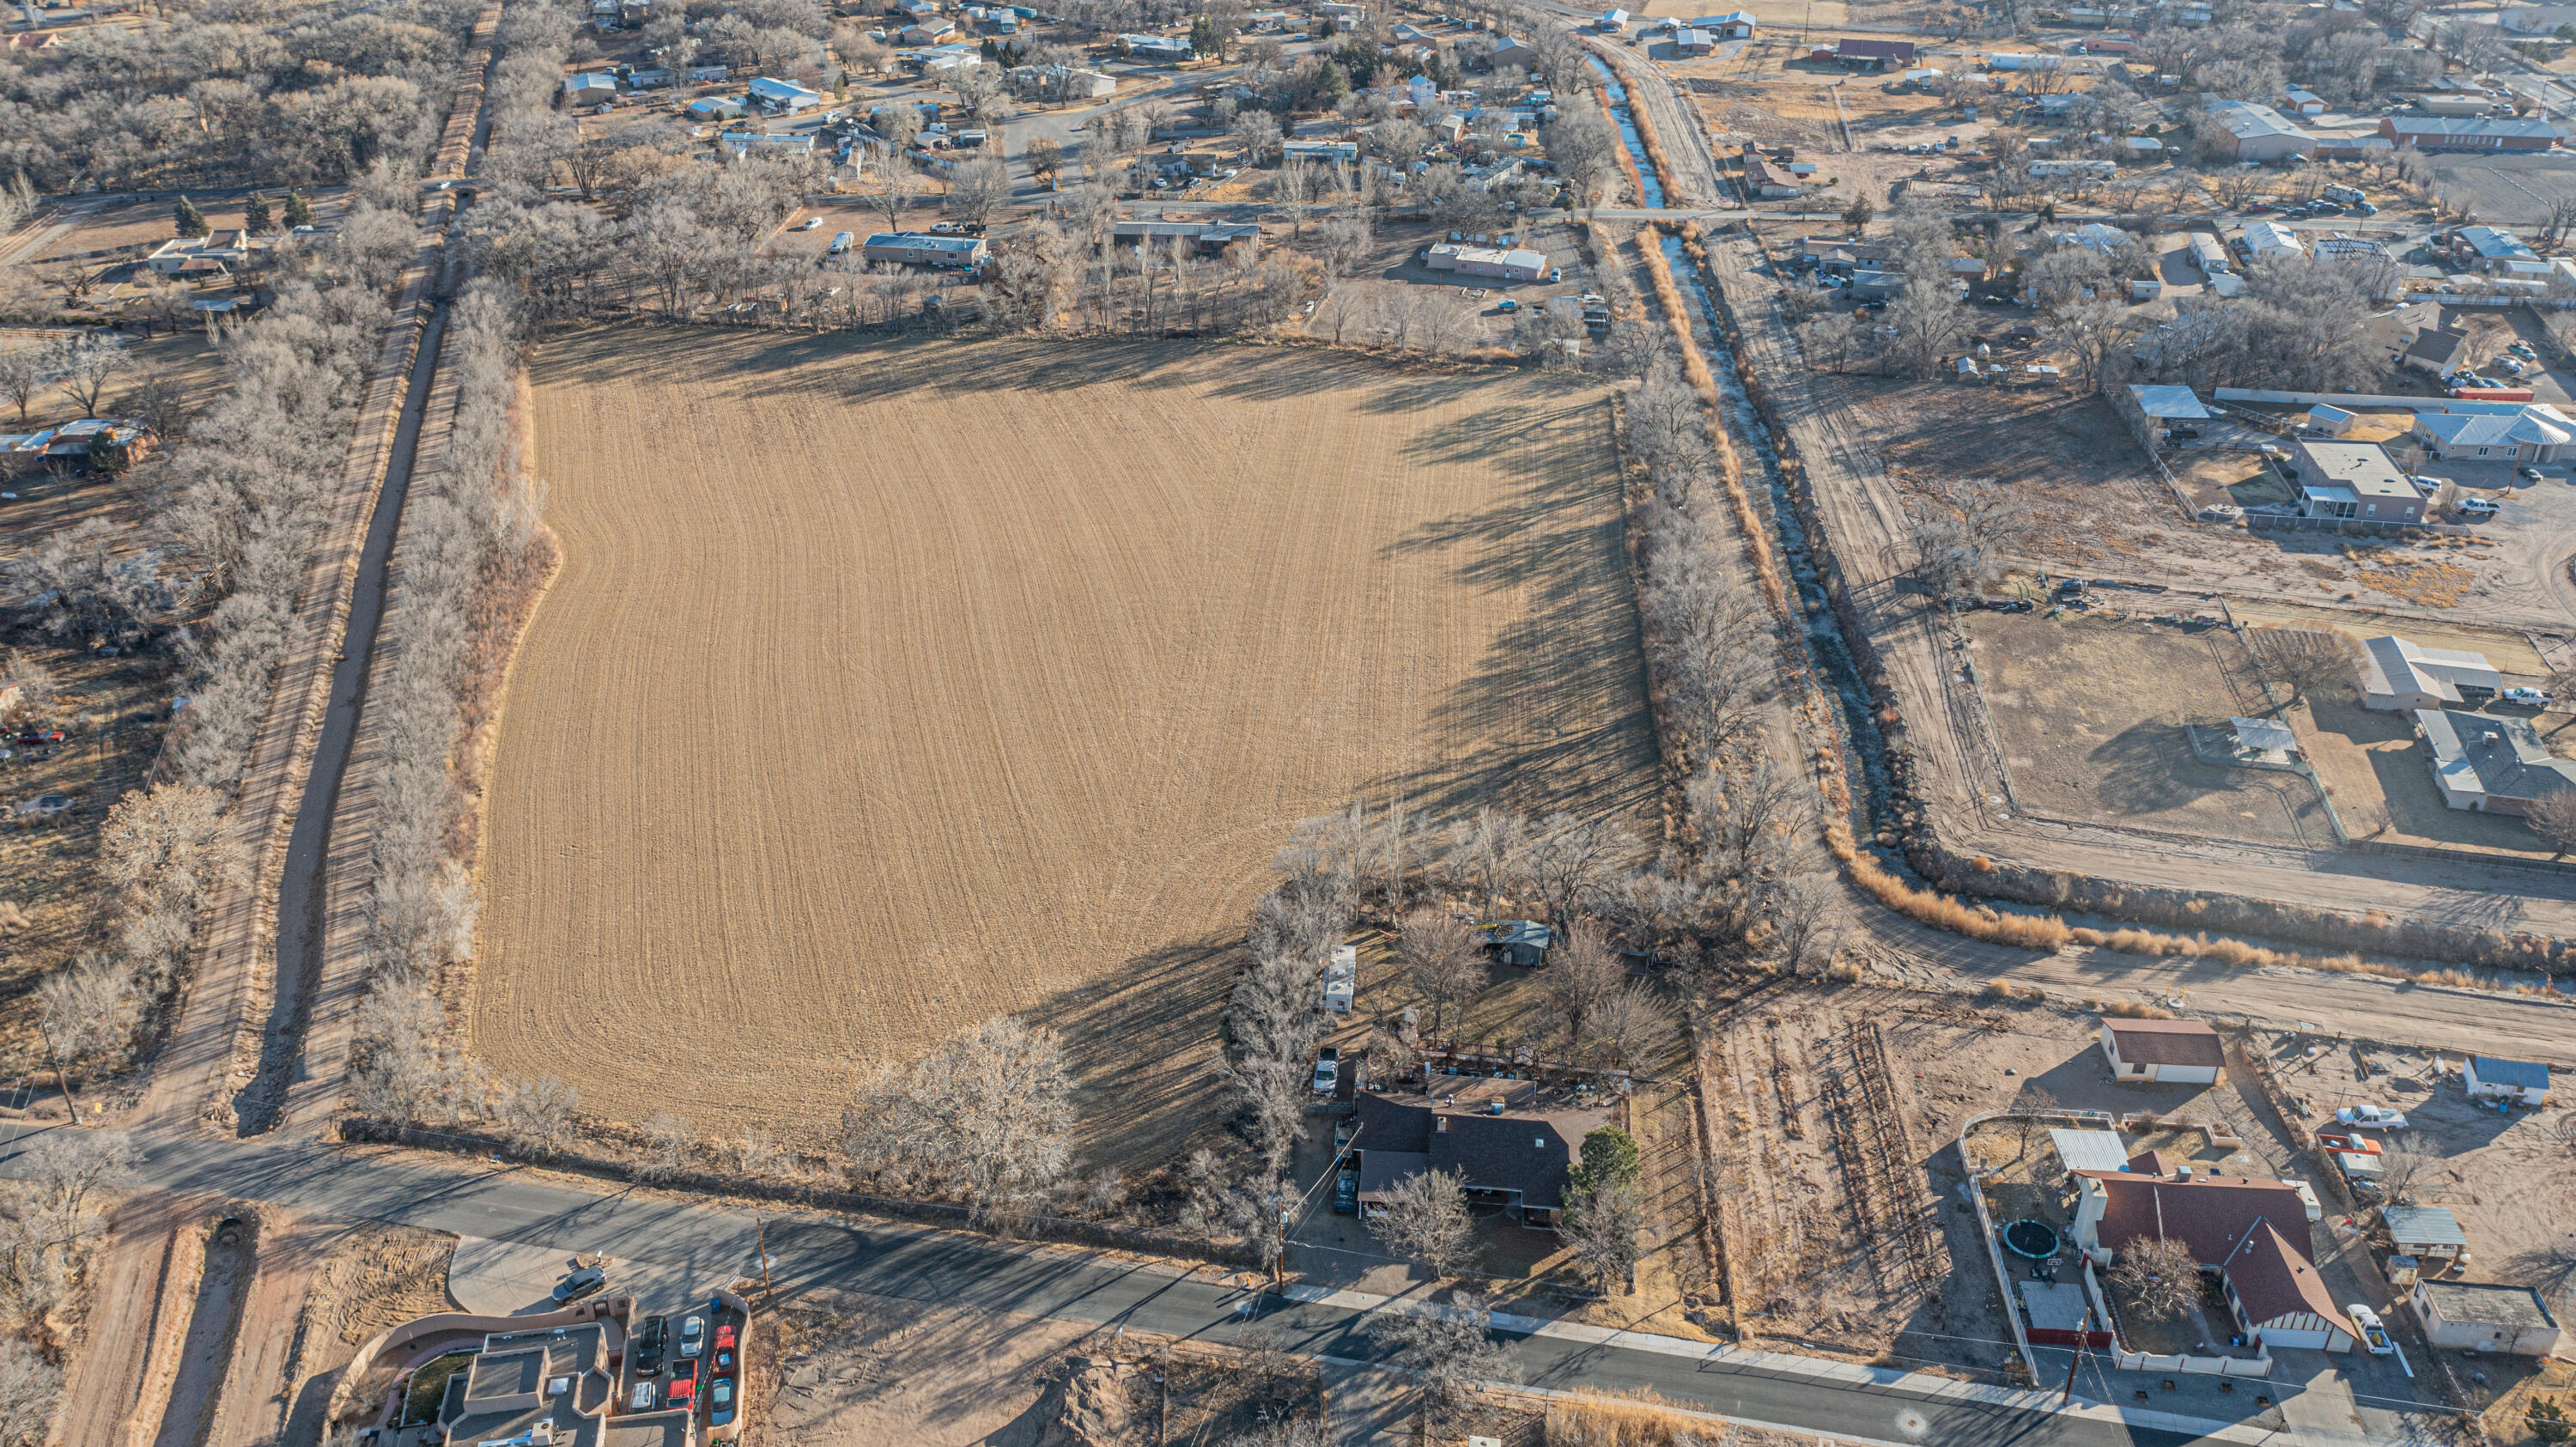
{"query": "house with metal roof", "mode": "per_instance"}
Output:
(2427, 1233)
(2468, 133)
(784, 97)
(2489, 763)
(2536, 433)
(2490, 1078)
(1875, 54)
(2398, 676)
(2496, 249)
(912, 248)
(2266, 240)
(583, 90)
(2258, 132)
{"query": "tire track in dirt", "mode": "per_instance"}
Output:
(885, 687)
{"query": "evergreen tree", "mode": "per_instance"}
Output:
(192, 222)
(255, 217)
(1331, 84)
(299, 212)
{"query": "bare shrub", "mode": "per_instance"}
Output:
(2158, 1276)
(1426, 1222)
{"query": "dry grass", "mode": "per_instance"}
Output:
(2129, 1010)
(1627, 163)
(1599, 1419)
(2439, 583)
(888, 686)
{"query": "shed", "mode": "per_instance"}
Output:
(2162, 1052)
(2169, 404)
(589, 89)
(2333, 421)
(2478, 1316)
(2489, 1078)
(1520, 941)
(2057, 1312)
(2427, 1233)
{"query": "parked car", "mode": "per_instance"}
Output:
(693, 1339)
(1328, 1070)
(50, 805)
(580, 1283)
(811, 223)
(2373, 1335)
(2537, 698)
(642, 1400)
(2478, 507)
(945, 228)
(2372, 1115)
(2222, 512)
(648, 1346)
(2533, 474)
(2187, 434)
(725, 1337)
(720, 1403)
(43, 741)
(1346, 1192)
(2356, 1144)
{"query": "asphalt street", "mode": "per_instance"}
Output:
(956, 1269)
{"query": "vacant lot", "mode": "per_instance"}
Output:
(2091, 714)
(889, 686)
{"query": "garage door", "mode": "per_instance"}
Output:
(2313, 1340)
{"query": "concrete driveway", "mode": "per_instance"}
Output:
(509, 1278)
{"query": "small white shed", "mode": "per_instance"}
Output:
(1342, 979)
(2333, 421)
(2489, 1078)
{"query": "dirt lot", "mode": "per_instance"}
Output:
(2090, 717)
(855, 1368)
(889, 686)
(1393, 274)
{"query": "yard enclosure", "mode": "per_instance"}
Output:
(890, 685)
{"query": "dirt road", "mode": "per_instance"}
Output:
(886, 687)
(137, 1305)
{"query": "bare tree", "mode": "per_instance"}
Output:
(1805, 926)
(2399, 1172)
(30, 1390)
(1966, 529)
(1632, 1027)
(1444, 962)
(989, 1114)
(1602, 1225)
(2309, 661)
(2158, 1277)
(23, 373)
(84, 366)
(1447, 1349)
(2031, 1122)
(1425, 1221)
(2553, 818)
(1045, 161)
(1581, 976)
(890, 191)
(666, 1146)
(976, 188)
(1568, 859)
(539, 1114)
(1486, 852)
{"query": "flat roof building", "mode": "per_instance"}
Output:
(913, 248)
(2468, 133)
(2351, 480)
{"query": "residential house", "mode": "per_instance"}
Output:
(913, 248)
(2468, 133)
(1519, 941)
(2490, 1078)
(1327, 152)
(2252, 1232)
(1613, 21)
(1763, 182)
(2491, 764)
(781, 97)
(212, 255)
(2162, 1052)
(2268, 240)
(2258, 133)
(35, 40)
(928, 32)
(2485, 1317)
(1208, 238)
(1508, 50)
(2496, 249)
(742, 143)
(715, 108)
(1161, 49)
(1504, 1144)
(2534, 433)
(1689, 41)
(1513, 264)
(2351, 480)
(2397, 676)
(589, 90)
(2437, 351)
(1875, 55)
(1733, 25)
(943, 59)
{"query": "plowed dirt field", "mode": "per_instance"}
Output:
(887, 686)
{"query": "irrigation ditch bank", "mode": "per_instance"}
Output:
(366, 1130)
(1870, 749)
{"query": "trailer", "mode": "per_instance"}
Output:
(1342, 979)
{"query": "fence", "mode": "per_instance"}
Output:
(2356, 525)
(1000, 1222)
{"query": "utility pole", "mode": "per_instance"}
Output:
(2083, 1334)
(761, 1225)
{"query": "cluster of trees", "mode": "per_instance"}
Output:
(311, 94)
(2301, 323)
(53, 1220)
(986, 1118)
(469, 525)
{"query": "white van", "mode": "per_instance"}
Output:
(840, 243)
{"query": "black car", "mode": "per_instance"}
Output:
(648, 1347)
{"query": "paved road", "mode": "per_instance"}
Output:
(496, 1203)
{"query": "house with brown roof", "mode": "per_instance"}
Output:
(2162, 1052)
(1501, 1138)
(2252, 1232)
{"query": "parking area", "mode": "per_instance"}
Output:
(687, 1356)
